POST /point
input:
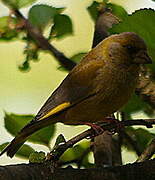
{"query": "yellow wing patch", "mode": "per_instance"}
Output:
(56, 109)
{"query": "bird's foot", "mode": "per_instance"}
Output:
(119, 125)
(97, 129)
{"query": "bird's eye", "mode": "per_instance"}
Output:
(131, 49)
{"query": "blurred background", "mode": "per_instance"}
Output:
(24, 93)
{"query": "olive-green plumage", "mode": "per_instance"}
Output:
(98, 86)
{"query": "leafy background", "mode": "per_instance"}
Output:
(24, 93)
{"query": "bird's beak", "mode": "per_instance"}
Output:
(143, 58)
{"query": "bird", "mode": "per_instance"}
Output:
(98, 86)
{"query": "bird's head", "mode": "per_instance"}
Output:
(127, 48)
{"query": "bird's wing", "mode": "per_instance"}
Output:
(78, 85)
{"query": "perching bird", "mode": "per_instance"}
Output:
(98, 86)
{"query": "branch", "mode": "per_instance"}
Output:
(136, 171)
(104, 22)
(60, 149)
(102, 149)
(148, 152)
(43, 43)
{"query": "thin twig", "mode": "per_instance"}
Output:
(43, 43)
(148, 152)
(60, 149)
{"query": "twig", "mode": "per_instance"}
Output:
(60, 149)
(148, 152)
(43, 43)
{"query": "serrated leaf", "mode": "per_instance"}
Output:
(41, 15)
(23, 152)
(18, 3)
(62, 26)
(77, 57)
(7, 28)
(142, 23)
(93, 10)
(14, 123)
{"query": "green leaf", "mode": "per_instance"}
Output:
(142, 23)
(23, 152)
(93, 10)
(14, 123)
(79, 154)
(7, 28)
(117, 10)
(37, 157)
(60, 139)
(62, 26)
(18, 3)
(41, 15)
(77, 57)
(141, 136)
(134, 105)
(105, 1)
(75, 152)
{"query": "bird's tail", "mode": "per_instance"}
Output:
(22, 136)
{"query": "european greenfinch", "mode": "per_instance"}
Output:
(98, 86)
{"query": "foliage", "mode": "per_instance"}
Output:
(24, 151)
(14, 123)
(117, 10)
(45, 13)
(42, 17)
(37, 157)
(134, 105)
(8, 28)
(57, 31)
(18, 3)
(141, 136)
(140, 22)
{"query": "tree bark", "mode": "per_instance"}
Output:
(46, 171)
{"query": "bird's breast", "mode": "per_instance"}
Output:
(113, 90)
(117, 89)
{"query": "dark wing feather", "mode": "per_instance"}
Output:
(75, 87)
